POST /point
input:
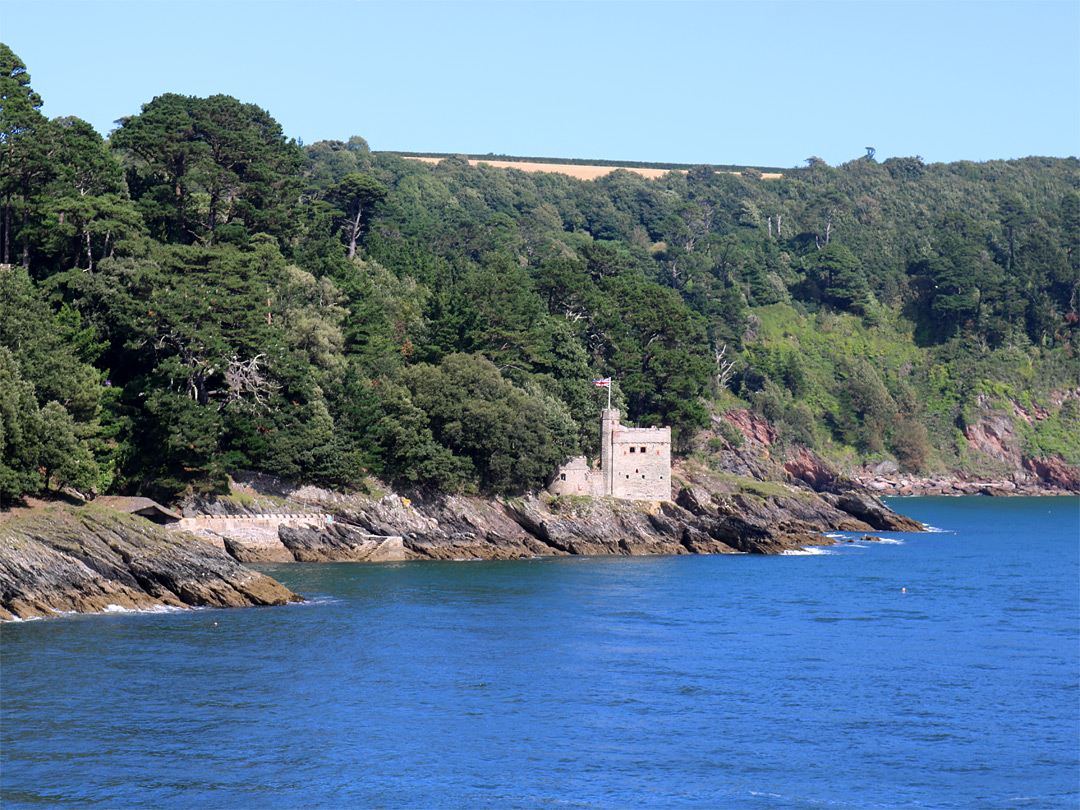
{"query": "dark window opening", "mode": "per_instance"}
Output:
(644, 449)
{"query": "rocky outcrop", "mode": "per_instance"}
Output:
(90, 559)
(447, 527)
(794, 516)
(737, 501)
(995, 434)
(262, 547)
(754, 427)
(995, 437)
(1054, 472)
(873, 512)
(712, 514)
(1038, 477)
(603, 526)
(339, 543)
(806, 466)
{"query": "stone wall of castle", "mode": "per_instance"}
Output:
(635, 465)
(641, 463)
(575, 478)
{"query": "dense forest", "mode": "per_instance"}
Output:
(199, 294)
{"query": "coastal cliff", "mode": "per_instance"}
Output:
(89, 559)
(709, 515)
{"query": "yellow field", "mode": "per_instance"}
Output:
(580, 172)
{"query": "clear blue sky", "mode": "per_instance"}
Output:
(763, 83)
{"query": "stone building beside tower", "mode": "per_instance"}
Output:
(635, 464)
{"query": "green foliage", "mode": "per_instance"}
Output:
(311, 314)
(911, 444)
(837, 278)
(25, 136)
(729, 435)
(50, 430)
(1056, 435)
(384, 324)
(19, 432)
(408, 450)
(512, 439)
(767, 490)
(196, 165)
(867, 409)
(47, 347)
(210, 269)
(355, 197)
(39, 445)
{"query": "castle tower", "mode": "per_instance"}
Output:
(635, 464)
(609, 424)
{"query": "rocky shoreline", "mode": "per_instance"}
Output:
(1015, 473)
(949, 485)
(706, 517)
(91, 559)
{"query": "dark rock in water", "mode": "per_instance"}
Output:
(866, 538)
(873, 512)
(89, 559)
(542, 525)
(749, 538)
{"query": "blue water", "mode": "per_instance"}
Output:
(705, 682)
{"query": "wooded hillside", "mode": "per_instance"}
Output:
(200, 294)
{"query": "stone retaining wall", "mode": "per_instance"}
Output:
(222, 524)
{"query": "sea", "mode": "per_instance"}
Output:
(931, 670)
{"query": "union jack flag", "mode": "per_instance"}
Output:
(604, 383)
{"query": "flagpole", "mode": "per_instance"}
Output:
(605, 383)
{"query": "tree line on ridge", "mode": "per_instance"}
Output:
(200, 294)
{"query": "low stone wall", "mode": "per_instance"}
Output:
(223, 524)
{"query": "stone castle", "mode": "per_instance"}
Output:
(635, 464)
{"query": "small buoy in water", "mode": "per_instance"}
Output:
(215, 624)
(902, 590)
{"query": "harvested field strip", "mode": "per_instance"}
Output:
(579, 172)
